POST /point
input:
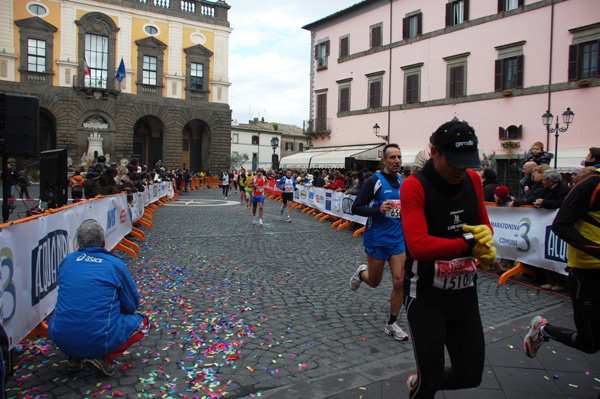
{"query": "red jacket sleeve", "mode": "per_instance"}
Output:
(421, 245)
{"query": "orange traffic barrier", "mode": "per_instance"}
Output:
(126, 249)
(139, 234)
(41, 330)
(357, 232)
(519, 268)
(339, 221)
(312, 210)
(345, 224)
(131, 244)
(327, 216)
(318, 215)
(145, 222)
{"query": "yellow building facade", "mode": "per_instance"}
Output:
(123, 78)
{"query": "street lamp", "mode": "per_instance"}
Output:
(376, 131)
(568, 117)
(274, 145)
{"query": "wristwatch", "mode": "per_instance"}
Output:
(470, 239)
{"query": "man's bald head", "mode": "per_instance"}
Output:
(528, 167)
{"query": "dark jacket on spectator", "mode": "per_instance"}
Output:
(488, 190)
(554, 197)
(531, 195)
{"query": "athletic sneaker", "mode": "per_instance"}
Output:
(254, 220)
(411, 381)
(260, 222)
(355, 279)
(395, 331)
(281, 210)
(534, 338)
(289, 219)
(100, 365)
(74, 365)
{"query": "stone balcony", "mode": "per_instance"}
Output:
(197, 10)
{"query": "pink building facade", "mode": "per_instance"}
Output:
(410, 65)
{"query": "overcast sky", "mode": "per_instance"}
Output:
(269, 57)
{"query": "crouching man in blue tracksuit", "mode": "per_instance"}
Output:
(94, 319)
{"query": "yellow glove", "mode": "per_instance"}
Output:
(481, 233)
(485, 255)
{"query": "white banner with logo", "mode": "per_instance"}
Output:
(525, 234)
(522, 234)
(328, 201)
(31, 253)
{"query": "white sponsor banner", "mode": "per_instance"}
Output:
(32, 251)
(151, 193)
(525, 234)
(328, 201)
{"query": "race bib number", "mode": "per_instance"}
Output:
(289, 188)
(395, 211)
(455, 274)
(260, 189)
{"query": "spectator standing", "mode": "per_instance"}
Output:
(76, 184)
(578, 223)
(94, 319)
(490, 183)
(502, 196)
(24, 183)
(337, 183)
(538, 155)
(354, 185)
(439, 203)
(106, 183)
(555, 190)
(526, 181)
(317, 180)
(593, 157)
(535, 191)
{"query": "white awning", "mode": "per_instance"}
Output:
(569, 159)
(301, 160)
(337, 157)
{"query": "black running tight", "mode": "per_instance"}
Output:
(452, 321)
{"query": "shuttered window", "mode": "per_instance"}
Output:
(344, 46)
(321, 122)
(375, 94)
(457, 12)
(321, 54)
(376, 39)
(507, 5)
(584, 60)
(509, 73)
(412, 88)
(412, 26)
(344, 99)
(457, 81)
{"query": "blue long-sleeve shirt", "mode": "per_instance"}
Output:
(96, 304)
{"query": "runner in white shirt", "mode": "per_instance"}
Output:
(225, 183)
(287, 185)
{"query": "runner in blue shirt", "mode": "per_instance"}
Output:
(379, 200)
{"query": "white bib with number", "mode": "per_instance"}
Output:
(395, 211)
(454, 274)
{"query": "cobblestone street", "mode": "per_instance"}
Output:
(240, 310)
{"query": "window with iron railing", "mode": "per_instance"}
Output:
(96, 58)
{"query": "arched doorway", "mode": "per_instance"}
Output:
(195, 145)
(148, 141)
(47, 130)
